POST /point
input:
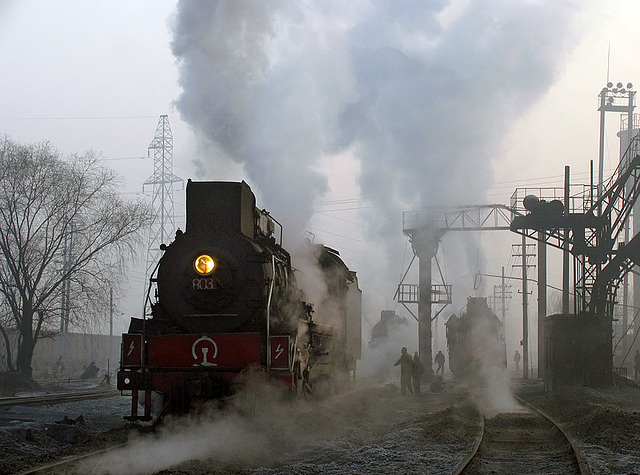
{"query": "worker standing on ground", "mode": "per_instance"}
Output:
(418, 369)
(439, 360)
(406, 371)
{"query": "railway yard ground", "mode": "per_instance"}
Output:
(371, 429)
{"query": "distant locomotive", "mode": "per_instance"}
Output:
(228, 310)
(475, 341)
(388, 324)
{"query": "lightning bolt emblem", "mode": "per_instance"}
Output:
(279, 351)
(131, 348)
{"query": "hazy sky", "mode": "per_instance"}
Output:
(374, 109)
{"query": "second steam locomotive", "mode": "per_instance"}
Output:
(476, 344)
(227, 311)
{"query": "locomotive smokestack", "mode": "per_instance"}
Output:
(229, 205)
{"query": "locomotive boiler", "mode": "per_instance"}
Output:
(475, 341)
(228, 312)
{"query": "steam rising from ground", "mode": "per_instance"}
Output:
(227, 437)
(498, 395)
(378, 356)
(482, 354)
(279, 434)
(231, 440)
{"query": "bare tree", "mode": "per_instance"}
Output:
(64, 237)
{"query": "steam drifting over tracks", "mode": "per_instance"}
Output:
(524, 440)
(367, 430)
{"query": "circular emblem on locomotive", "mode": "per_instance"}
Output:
(203, 349)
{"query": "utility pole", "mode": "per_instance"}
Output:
(110, 316)
(566, 246)
(65, 301)
(110, 331)
(503, 293)
(525, 302)
(525, 315)
(542, 301)
(162, 222)
(108, 377)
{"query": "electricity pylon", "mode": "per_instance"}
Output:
(162, 222)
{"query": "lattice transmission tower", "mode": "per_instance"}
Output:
(163, 222)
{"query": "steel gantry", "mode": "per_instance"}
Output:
(425, 229)
(591, 235)
(593, 238)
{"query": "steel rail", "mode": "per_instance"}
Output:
(53, 467)
(56, 398)
(467, 460)
(583, 466)
(582, 463)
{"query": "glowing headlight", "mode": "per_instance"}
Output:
(204, 264)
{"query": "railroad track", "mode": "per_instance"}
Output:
(523, 441)
(69, 465)
(56, 398)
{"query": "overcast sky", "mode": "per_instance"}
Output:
(495, 94)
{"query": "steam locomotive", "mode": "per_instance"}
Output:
(228, 312)
(475, 342)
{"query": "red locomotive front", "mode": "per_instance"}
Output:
(228, 310)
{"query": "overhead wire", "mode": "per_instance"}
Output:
(336, 234)
(82, 118)
(336, 218)
(122, 158)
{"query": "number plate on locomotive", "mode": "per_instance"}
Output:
(206, 283)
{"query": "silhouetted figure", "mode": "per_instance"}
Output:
(439, 360)
(636, 364)
(516, 360)
(418, 369)
(90, 371)
(406, 371)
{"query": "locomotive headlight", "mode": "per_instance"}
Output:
(204, 264)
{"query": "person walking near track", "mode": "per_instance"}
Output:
(418, 369)
(439, 360)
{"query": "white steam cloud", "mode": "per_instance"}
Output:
(419, 93)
